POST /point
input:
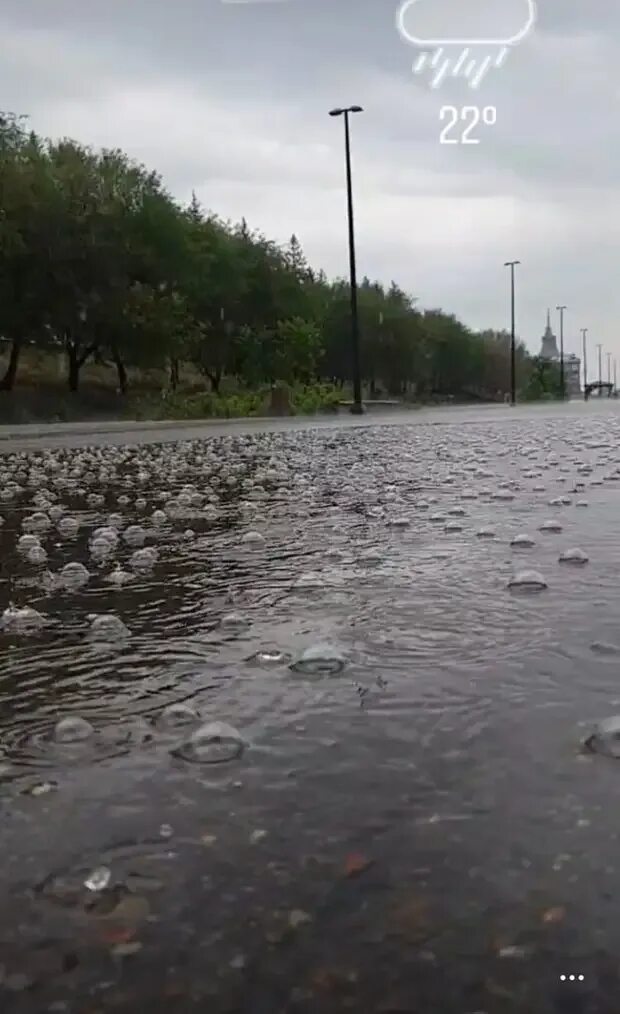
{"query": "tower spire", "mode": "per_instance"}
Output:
(548, 319)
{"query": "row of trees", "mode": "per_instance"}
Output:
(98, 260)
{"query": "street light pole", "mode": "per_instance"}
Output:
(562, 387)
(357, 408)
(609, 367)
(584, 332)
(513, 393)
(615, 384)
(600, 366)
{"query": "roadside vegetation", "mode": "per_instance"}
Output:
(115, 300)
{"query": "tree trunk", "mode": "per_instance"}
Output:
(174, 374)
(8, 381)
(74, 369)
(120, 369)
(215, 380)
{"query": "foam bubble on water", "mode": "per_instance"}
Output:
(319, 659)
(159, 518)
(135, 535)
(108, 627)
(175, 715)
(253, 538)
(212, 743)
(528, 580)
(37, 556)
(453, 526)
(605, 739)
(522, 541)
(143, 560)
(575, 556)
(550, 526)
(271, 656)
(73, 575)
(73, 729)
(24, 620)
(27, 542)
(486, 533)
(37, 522)
(68, 527)
(234, 621)
(118, 576)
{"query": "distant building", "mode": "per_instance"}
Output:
(572, 364)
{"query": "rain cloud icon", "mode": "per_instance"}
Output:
(466, 41)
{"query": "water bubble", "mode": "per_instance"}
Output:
(27, 542)
(175, 715)
(144, 559)
(98, 879)
(73, 729)
(270, 657)
(159, 518)
(253, 538)
(234, 621)
(22, 621)
(68, 527)
(486, 533)
(550, 526)
(453, 526)
(73, 575)
(212, 743)
(189, 534)
(606, 738)
(37, 522)
(319, 659)
(576, 556)
(135, 535)
(108, 627)
(37, 556)
(528, 580)
(118, 576)
(522, 541)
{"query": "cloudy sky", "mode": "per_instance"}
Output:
(231, 100)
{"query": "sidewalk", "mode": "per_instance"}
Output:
(13, 431)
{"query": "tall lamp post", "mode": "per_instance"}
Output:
(609, 367)
(600, 366)
(615, 383)
(357, 408)
(562, 387)
(584, 332)
(512, 265)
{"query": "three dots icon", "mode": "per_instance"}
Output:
(572, 978)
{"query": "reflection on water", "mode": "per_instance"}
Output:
(295, 720)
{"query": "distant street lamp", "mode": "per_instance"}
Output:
(562, 387)
(513, 393)
(615, 384)
(600, 366)
(584, 332)
(357, 408)
(609, 367)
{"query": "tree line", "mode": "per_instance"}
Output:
(97, 260)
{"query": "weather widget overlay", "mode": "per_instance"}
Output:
(462, 41)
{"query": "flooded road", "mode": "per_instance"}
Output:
(304, 731)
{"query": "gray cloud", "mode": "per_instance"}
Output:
(232, 100)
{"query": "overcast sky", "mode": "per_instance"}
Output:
(231, 100)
